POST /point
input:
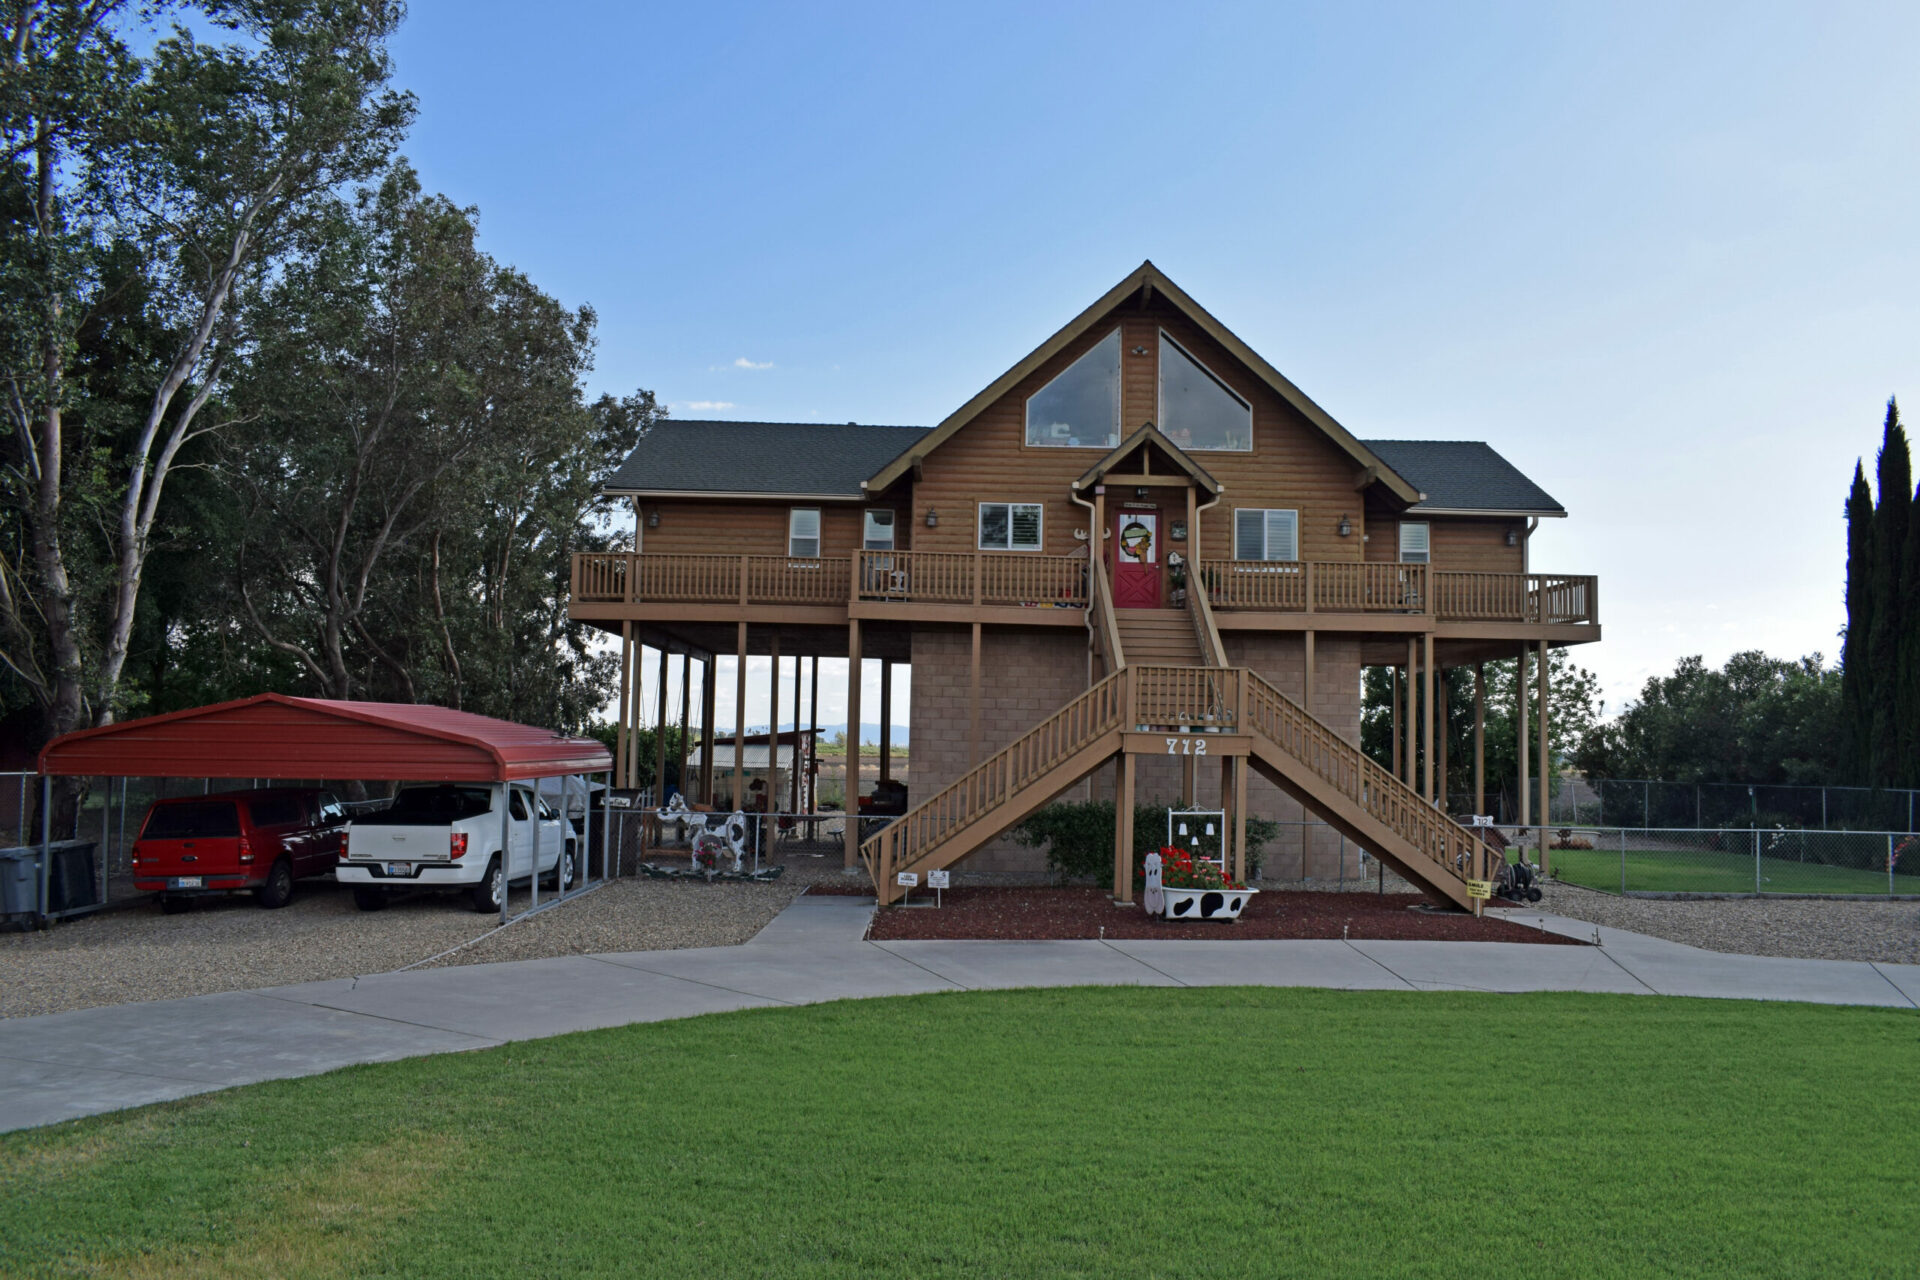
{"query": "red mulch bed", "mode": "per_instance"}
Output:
(1035, 913)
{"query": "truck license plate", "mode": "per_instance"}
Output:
(184, 882)
(400, 868)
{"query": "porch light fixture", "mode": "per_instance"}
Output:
(933, 518)
(1141, 491)
(1513, 537)
(653, 518)
(1346, 526)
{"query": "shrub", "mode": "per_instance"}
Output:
(1078, 837)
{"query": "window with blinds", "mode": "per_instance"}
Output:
(1266, 533)
(1413, 542)
(1010, 526)
(803, 532)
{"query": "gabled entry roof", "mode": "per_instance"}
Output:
(1148, 436)
(1148, 278)
(272, 735)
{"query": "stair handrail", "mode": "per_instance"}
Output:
(901, 844)
(1101, 617)
(1396, 805)
(1200, 609)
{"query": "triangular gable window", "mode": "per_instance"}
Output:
(1080, 409)
(1197, 410)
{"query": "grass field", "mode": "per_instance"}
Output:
(1094, 1132)
(1696, 870)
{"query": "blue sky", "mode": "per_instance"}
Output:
(1662, 257)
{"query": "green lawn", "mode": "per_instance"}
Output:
(1094, 1132)
(1694, 870)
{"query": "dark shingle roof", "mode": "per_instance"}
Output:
(1463, 475)
(798, 458)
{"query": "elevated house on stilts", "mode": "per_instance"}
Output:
(1140, 563)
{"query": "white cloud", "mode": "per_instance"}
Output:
(744, 363)
(705, 404)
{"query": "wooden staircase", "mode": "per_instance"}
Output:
(1158, 637)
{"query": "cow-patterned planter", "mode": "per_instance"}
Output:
(1205, 904)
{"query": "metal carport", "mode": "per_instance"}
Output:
(278, 737)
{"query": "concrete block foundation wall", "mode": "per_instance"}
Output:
(1027, 675)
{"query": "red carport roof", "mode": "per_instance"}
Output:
(272, 735)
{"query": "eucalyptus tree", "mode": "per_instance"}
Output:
(158, 164)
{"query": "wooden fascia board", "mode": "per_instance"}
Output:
(1486, 512)
(705, 495)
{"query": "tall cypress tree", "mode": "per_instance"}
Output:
(1892, 507)
(1856, 671)
(1907, 695)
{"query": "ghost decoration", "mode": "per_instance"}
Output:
(1154, 899)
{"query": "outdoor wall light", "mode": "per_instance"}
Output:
(1513, 537)
(1346, 527)
(653, 518)
(1142, 491)
(933, 518)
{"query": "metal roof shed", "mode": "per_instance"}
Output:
(272, 735)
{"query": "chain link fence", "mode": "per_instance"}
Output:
(1646, 804)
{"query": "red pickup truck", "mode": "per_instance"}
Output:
(238, 841)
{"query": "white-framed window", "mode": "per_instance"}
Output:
(1010, 526)
(1197, 409)
(803, 532)
(1415, 547)
(1080, 409)
(877, 532)
(1266, 533)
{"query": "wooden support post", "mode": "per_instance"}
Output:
(799, 756)
(1306, 690)
(1186, 782)
(1442, 729)
(740, 719)
(973, 699)
(1393, 674)
(852, 800)
(1240, 819)
(660, 735)
(1479, 737)
(709, 686)
(1520, 739)
(623, 715)
(1426, 715)
(1411, 777)
(770, 797)
(1546, 867)
(1123, 832)
(813, 736)
(886, 719)
(637, 713)
(686, 693)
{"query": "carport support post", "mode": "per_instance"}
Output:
(606, 828)
(533, 880)
(850, 802)
(506, 844)
(46, 844)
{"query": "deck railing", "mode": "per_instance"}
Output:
(1017, 579)
(1308, 586)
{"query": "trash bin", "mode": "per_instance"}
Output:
(74, 884)
(19, 881)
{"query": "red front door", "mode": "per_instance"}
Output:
(1136, 558)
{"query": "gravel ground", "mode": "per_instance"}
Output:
(1803, 928)
(229, 944)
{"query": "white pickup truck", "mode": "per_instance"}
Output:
(447, 836)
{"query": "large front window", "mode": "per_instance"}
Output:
(1197, 410)
(1010, 526)
(1080, 409)
(1266, 533)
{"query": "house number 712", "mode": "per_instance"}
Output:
(1186, 746)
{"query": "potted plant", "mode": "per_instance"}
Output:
(1183, 887)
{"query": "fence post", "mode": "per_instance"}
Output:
(1623, 862)
(1646, 804)
(1756, 862)
(1889, 864)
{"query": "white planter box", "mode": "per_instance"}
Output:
(1205, 904)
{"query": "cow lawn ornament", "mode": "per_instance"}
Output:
(1153, 897)
(720, 845)
(718, 837)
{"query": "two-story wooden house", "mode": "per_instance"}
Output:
(1141, 562)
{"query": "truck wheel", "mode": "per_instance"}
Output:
(368, 898)
(173, 905)
(491, 889)
(278, 890)
(563, 869)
